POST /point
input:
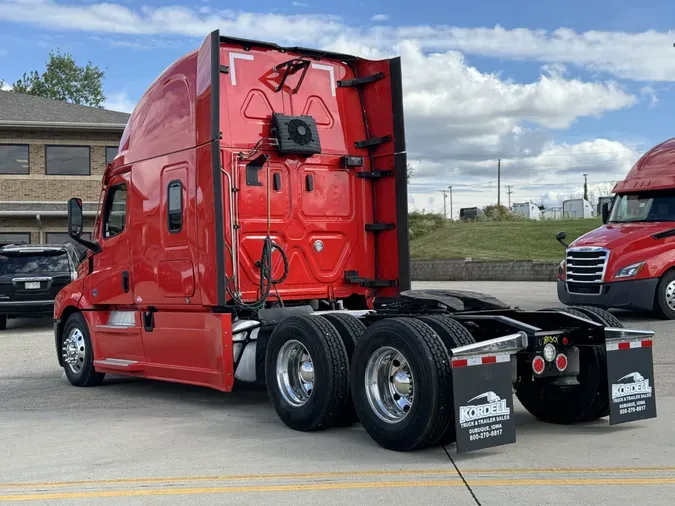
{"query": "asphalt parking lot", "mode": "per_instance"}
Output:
(145, 442)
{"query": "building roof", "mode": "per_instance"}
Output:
(43, 208)
(18, 110)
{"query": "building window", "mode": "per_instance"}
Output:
(14, 159)
(63, 237)
(14, 238)
(67, 160)
(110, 154)
(115, 211)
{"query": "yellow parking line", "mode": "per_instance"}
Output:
(234, 477)
(352, 474)
(568, 470)
(330, 486)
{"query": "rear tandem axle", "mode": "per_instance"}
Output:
(417, 376)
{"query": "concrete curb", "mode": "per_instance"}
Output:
(458, 269)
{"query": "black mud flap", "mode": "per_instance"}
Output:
(630, 371)
(483, 392)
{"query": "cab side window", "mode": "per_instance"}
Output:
(115, 211)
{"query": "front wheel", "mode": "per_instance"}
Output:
(665, 296)
(78, 353)
(3, 322)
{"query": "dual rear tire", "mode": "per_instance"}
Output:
(394, 377)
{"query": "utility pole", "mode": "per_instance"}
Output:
(509, 192)
(445, 197)
(499, 183)
(451, 215)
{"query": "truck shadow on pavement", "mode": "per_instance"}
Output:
(257, 406)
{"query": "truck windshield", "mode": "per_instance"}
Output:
(33, 264)
(643, 207)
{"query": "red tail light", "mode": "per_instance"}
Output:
(538, 364)
(561, 362)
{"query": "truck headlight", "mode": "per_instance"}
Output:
(630, 271)
(561, 270)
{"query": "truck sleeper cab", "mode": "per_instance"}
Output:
(253, 227)
(629, 262)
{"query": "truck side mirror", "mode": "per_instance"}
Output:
(75, 219)
(76, 225)
(560, 237)
(605, 212)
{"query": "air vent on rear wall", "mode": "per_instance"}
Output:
(296, 134)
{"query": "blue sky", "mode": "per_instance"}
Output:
(555, 89)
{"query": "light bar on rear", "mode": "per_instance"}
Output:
(488, 352)
(623, 339)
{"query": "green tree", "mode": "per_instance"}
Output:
(64, 80)
(409, 172)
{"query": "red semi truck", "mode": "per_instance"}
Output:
(253, 228)
(629, 262)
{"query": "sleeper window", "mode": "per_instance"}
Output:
(175, 206)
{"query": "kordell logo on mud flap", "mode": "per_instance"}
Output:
(637, 385)
(495, 406)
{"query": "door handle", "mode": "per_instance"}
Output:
(125, 281)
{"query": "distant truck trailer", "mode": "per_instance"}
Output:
(578, 208)
(527, 209)
(470, 213)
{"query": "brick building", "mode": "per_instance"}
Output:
(51, 151)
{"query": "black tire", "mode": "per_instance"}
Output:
(3, 322)
(427, 356)
(350, 329)
(328, 397)
(599, 315)
(85, 375)
(579, 403)
(661, 307)
(453, 334)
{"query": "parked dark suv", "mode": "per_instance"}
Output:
(31, 276)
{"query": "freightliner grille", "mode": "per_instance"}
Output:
(586, 265)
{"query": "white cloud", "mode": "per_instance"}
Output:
(380, 17)
(300, 4)
(120, 102)
(649, 93)
(177, 20)
(6, 87)
(643, 56)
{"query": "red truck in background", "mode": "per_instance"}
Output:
(253, 228)
(629, 262)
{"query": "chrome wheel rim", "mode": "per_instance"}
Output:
(389, 384)
(295, 373)
(73, 350)
(670, 295)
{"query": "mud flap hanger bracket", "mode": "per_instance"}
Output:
(482, 382)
